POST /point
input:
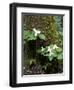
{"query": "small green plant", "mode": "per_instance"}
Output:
(33, 35)
(51, 52)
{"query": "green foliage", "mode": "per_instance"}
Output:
(51, 52)
(60, 56)
(30, 35)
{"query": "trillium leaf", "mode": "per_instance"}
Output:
(58, 49)
(29, 35)
(60, 56)
(42, 36)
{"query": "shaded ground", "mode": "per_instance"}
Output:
(38, 69)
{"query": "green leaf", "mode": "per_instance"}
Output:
(58, 49)
(42, 36)
(32, 37)
(60, 56)
(29, 35)
(26, 34)
(50, 58)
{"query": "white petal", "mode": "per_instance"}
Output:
(49, 49)
(35, 34)
(39, 32)
(34, 29)
(55, 46)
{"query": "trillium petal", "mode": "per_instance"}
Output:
(55, 46)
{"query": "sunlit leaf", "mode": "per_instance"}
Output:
(42, 36)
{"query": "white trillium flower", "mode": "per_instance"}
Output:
(55, 46)
(36, 31)
(49, 49)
